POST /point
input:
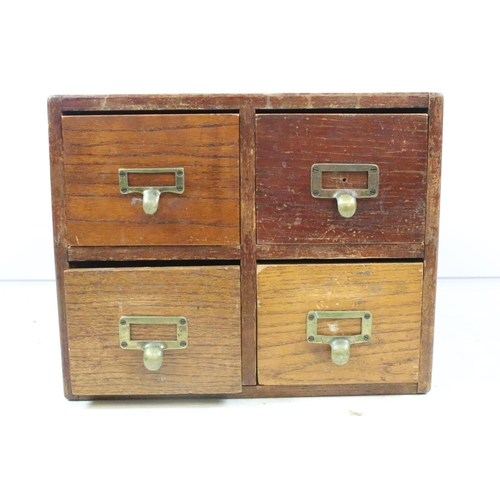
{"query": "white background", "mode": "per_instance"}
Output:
(434, 446)
(88, 47)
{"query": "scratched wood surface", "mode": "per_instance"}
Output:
(231, 140)
(156, 252)
(162, 102)
(287, 147)
(288, 391)
(59, 227)
(286, 293)
(209, 297)
(431, 239)
(248, 258)
(332, 251)
(206, 146)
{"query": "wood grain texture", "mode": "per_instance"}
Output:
(284, 391)
(431, 240)
(248, 260)
(287, 147)
(59, 226)
(159, 102)
(209, 252)
(206, 146)
(286, 293)
(209, 297)
(387, 120)
(329, 251)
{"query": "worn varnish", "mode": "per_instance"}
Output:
(431, 239)
(167, 103)
(206, 146)
(59, 226)
(287, 147)
(287, 391)
(248, 258)
(246, 244)
(333, 251)
(157, 252)
(286, 293)
(209, 297)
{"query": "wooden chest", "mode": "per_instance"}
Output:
(246, 245)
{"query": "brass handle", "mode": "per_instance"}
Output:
(150, 199)
(346, 203)
(151, 194)
(346, 198)
(341, 351)
(340, 345)
(153, 349)
(153, 356)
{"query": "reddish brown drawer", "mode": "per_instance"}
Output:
(203, 149)
(208, 298)
(391, 296)
(288, 145)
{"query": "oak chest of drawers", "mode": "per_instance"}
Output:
(246, 245)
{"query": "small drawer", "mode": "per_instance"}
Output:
(339, 323)
(154, 331)
(306, 161)
(152, 179)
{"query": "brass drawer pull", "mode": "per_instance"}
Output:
(341, 345)
(151, 194)
(153, 349)
(346, 198)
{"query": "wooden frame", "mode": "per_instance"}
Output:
(248, 252)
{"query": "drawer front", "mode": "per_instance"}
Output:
(201, 153)
(288, 297)
(208, 298)
(289, 145)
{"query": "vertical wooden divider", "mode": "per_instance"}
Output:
(59, 224)
(431, 240)
(248, 254)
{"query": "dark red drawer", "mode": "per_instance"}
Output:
(288, 145)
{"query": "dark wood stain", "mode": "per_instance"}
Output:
(340, 251)
(283, 391)
(248, 258)
(234, 102)
(153, 253)
(59, 225)
(288, 146)
(431, 240)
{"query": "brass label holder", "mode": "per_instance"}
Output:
(151, 194)
(153, 349)
(346, 198)
(340, 345)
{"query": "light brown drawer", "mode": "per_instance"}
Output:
(204, 146)
(207, 297)
(287, 147)
(391, 293)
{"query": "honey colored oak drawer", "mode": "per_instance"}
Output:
(110, 159)
(196, 310)
(382, 310)
(380, 157)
